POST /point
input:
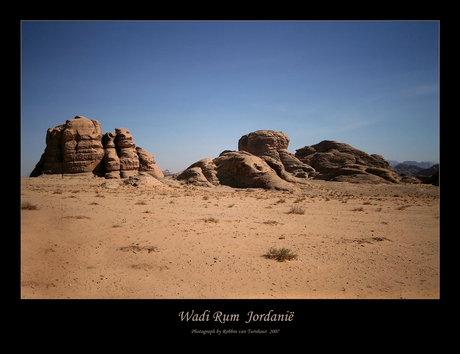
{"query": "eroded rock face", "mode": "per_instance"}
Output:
(126, 150)
(148, 164)
(341, 162)
(82, 149)
(271, 146)
(78, 147)
(261, 162)
(111, 159)
(244, 170)
(73, 147)
(262, 141)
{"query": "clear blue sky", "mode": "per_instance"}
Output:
(189, 90)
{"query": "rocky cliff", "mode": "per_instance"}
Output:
(78, 148)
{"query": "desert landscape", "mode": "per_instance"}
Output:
(99, 220)
(178, 241)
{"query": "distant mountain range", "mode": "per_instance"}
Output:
(414, 168)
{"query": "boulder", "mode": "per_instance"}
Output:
(142, 179)
(148, 164)
(195, 176)
(262, 141)
(243, 170)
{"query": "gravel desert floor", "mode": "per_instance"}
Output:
(175, 241)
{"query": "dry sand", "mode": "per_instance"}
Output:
(355, 241)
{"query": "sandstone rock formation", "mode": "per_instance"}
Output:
(244, 170)
(78, 148)
(342, 162)
(262, 141)
(73, 147)
(261, 162)
(271, 146)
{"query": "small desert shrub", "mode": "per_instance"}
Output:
(231, 205)
(282, 200)
(403, 207)
(28, 206)
(137, 248)
(141, 202)
(281, 255)
(211, 220)
(271, 222)
(358, 209)
(296, 209)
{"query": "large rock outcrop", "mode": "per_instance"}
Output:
(261, 162)
(271, 146)
(78, 148)
(341, 162)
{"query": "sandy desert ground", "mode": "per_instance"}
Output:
(173, 241)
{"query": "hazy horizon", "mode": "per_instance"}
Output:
(188, 90)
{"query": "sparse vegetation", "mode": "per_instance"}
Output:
(358, 209)
(28, 206)
(272, 222)
(296, 209)
(137, 248)
(211, 220)
(141, 202)
(281, 254)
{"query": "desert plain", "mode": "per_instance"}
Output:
(171, 240)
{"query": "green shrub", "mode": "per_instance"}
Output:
(297, 209)
(281, 255)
